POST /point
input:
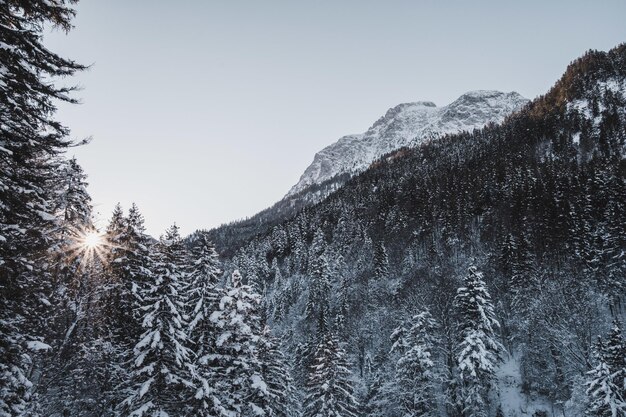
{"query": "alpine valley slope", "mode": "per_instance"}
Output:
(405, 125)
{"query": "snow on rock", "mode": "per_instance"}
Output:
(36, 345)
(408, 124)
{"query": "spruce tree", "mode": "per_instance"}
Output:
(329, 390)
(479, 350)
(275, 394)
(415, 374)
(78, 380)
(319, 287)
(238, 381)
(162, 365)
(606, 386)
(30, 139)
(203, 298)
(130, 271)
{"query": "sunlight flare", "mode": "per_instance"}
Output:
(87, 246)
(92, 240)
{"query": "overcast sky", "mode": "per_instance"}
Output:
(204, 112)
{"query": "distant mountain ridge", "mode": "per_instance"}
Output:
(407, 125)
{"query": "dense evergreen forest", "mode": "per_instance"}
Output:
(480, 274)
(530, 213)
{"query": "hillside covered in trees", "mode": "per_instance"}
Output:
(533, 207)
(479, 274)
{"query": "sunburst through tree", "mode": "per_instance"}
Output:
(88, 245)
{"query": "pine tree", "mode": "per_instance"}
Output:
(329, 391)
(415, 376)
(275, 394)
(79, 379)
(203, 298)
(29, 141)
(381, 261)
(479, 350)
(130, 264)
(319, 288)
(162, 360)
(236, 362)
(606, 386)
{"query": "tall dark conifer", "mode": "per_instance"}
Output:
(29, 140)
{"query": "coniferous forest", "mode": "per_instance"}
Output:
(482, 274)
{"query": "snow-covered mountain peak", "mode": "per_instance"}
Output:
(407, 124)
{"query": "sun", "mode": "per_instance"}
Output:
(88, 246)
(92, 240)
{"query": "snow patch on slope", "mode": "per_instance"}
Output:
(513, 401)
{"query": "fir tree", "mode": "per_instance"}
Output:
(275, 395)
(319, 288)
(162, 361)
(606, 386)
(329, 391)
(30, 139)
(236, 343)
(203, 298)
(479, 350)
(381, 261)
(415, 369)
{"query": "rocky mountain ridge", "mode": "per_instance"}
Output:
(407, 125)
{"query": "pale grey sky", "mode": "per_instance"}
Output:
(203, 112)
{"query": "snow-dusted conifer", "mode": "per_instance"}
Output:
(319, 287)
(30, 139)
(415, 375)
(162, 360)
(235, 360)
(274, 394)
(329, 390)
(203, 298)
(479, 349)
(606, 386)
(129, 262)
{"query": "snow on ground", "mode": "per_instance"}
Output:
(513, 401)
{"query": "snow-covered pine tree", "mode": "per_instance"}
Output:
(29, 140)
(415, 374)
(203, 296)
(73, 204)
(114, 231)
(319, 287)
(329, 390)
(128, 267)
(78, 378)
(281, 296)
(479, 350)
(73, 220)
(238, 382)
(274, 394)
(161, 378)
(381, 261)
(606, 385)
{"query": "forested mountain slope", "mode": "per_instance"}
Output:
(405, 125)
(534, 207)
